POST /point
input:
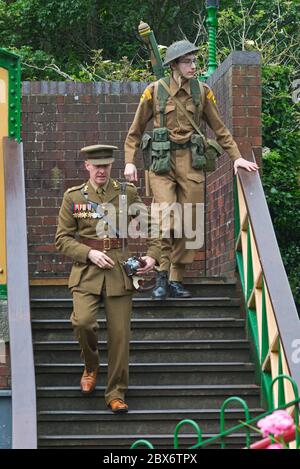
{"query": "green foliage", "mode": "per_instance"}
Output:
(270, 26)
(101, 69)
(281, 165)
(70, 31)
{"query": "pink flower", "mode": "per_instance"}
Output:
(276, 423)
(275, 446)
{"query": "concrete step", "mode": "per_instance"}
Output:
(203, 286)
(151, 329)
(149, 397)
(206, 307)
(62, 374)
(136, 421)
(151, 351)
(117, 441)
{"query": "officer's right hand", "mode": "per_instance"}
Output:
(100, 259)
(130, 172)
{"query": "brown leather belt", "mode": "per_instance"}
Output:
(104, 244)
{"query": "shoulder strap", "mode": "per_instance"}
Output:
(75, 188)
(195, 91)
(162, 96)
(182, 108)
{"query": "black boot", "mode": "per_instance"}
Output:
(177, 290)
(161, 290)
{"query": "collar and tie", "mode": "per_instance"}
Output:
(100, 191)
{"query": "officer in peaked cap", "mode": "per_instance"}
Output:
(99, 154)
(86, 234)
(175, 175)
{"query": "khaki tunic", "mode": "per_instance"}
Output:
(180, 128)
(90, 284)
(183, 184)
(88, 276)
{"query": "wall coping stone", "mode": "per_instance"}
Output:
(31, 88)
(235, 58)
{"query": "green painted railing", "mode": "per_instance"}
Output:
(273, 324)
(10, 126)
(247, 424)
(11, 62)
(272, 321)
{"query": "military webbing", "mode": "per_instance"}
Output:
(180, 105)
(163, 95)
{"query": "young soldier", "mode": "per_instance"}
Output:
(176, 173)
(97, 273)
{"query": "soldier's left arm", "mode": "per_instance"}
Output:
(212, 116)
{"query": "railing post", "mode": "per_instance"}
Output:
(222, 418)
(187, 422)
(296, 396)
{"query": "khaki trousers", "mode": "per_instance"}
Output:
(118, 315)
(182, 184)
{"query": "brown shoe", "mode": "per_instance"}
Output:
(118, 406)
(88, 381)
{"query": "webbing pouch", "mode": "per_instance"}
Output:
(212, 151)
(146, 149)
(198, 152)
(161, 151)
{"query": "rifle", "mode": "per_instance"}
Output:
(149, 40)
(147, 36)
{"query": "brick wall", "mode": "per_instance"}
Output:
(237, 86)
(59, 118)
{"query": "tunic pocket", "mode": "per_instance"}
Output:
(196, 177)
(76, 274)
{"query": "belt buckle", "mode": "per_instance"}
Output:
(106, 244)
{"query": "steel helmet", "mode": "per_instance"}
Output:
(178, 49)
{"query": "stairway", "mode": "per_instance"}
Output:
(187, 357)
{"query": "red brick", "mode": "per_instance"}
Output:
(254, 131)
(246, 121)
(239, 111)
(239, 80)
(239, 90)
(240, 132)
(254, 111)
(256, 141)
(254, 91)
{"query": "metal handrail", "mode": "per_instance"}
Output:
(273, 320)
(222, 416)
(24, 422)
(248, 423)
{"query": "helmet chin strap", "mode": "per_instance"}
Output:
(178, 76)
